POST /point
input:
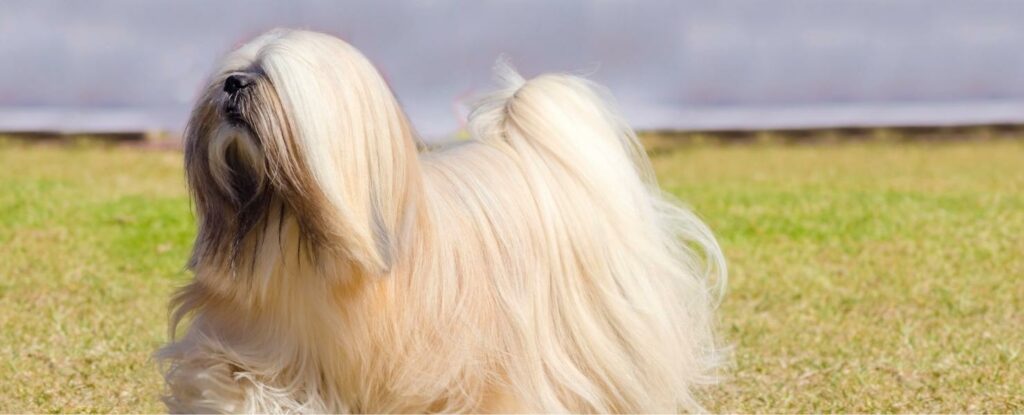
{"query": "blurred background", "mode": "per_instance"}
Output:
(130, 66)
(861, 163)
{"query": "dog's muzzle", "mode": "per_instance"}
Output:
(233, 87)
(237, 82)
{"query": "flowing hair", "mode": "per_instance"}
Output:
(536, 267)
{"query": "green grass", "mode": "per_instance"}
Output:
(92, 242)
(864, 277)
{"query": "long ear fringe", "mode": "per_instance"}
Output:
(356, 145)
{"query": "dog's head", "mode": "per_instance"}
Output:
(298, 125)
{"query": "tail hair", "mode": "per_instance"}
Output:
(643, 274)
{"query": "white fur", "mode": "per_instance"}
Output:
(535, 268)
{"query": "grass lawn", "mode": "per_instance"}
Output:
(864, 277)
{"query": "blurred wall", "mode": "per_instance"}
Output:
(113, 65)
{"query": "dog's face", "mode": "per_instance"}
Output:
(297, 125)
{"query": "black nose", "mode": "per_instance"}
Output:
(236, 82)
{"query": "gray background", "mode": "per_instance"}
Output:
(137, 65)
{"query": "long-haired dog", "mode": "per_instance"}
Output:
(339, 268)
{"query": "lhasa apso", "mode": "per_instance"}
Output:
(339, 267)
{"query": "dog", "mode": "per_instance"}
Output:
(342, 266)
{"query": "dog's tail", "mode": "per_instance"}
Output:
(634, 277)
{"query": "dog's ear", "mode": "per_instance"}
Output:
(340, 150)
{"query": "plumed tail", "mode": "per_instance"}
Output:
(633, 277)
(571, 121)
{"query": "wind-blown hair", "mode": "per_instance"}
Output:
(535, 267)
